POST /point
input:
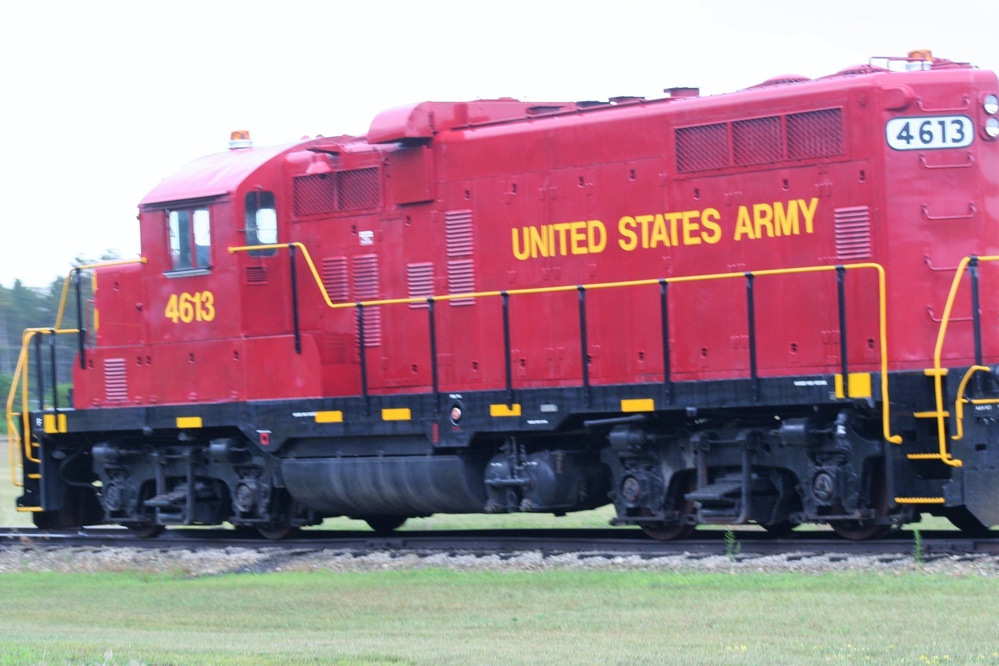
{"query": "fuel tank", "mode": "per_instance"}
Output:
(388, 486)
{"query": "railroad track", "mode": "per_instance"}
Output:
(739, 545)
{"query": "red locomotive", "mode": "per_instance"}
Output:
(770, 306)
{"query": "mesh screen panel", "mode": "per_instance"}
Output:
(359, 189)
(704, 147)
(815, 134)
(315, 194)
(757, 141)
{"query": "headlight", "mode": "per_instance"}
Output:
(991, 104)
(992, 127)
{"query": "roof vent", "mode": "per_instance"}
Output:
(626, 99)
(682, 91)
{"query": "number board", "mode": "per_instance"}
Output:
(186, 308)
(929, 132)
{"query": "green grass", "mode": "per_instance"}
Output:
(446, 617)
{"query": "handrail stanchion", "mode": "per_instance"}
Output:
(52, 372)
(82, 335)
(294, 299)
(664, 313)
(976, 319)
(976, 315)
(364, 361)
(433, 355)
(754, 377)
(841, 305)
(584, 344)
(508, 364)
(39, 372)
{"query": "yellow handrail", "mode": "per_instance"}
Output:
(18, 442)
(960, 399)
(937, 370)
(13, 435)
(29, 334)
(882, 298)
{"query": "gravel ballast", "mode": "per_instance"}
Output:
(208, 562)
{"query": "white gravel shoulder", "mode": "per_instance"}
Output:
(20, 557)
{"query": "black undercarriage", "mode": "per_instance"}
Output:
(777, 452)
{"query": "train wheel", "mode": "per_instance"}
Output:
(861, 530)
(667, 532)
(276, 531)
(781, 529)
(144, 530)
(681, 529)
(385, 524)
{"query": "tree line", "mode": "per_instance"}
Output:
(23, 307)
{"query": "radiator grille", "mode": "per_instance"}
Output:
(365, 269)
(359, 189)
(797, 136)
(115, 380)
(420, 279)
(815, 134)
(333, 192)
(757, 141)
(315, 194)
(853, 233)
(704, 147)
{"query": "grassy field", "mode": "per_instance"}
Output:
(478, 617)
(447, 617)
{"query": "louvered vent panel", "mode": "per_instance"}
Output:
(255, 275)
(359, 189)
(853, 233)
(420, 278)
(757, 141)
(115, 380)
(704, 147)
(815, 134)
(458, 230)
(460, 267)
(461, 280)
(365, 269)
(315, 194)
(334, 274)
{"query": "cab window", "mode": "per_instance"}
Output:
(261, 222)
(190, 238)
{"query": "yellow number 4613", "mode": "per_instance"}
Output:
(185, 308)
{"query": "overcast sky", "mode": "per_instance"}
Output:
(101, 100)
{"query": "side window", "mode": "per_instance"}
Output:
(190, 238)
(261, 222)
